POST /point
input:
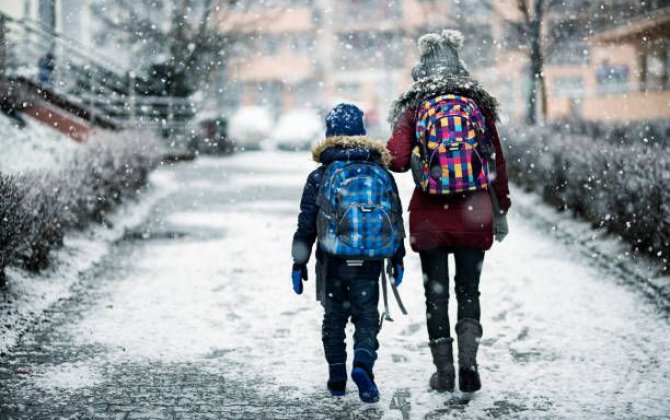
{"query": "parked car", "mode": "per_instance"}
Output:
(213, 137)
(298, 129)
(249, 126)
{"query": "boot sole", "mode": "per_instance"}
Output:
(367, 390)
(442, 389)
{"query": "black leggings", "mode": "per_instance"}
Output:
(434, 264)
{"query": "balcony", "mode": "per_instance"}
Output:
(635, 21)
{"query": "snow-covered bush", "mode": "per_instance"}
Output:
(44, 209)
(37, 208)
(112, 165)
(623, 186)
(13, 221)
(656, 131)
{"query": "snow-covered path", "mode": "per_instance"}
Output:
(192, 316)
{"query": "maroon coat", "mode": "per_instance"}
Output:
(462, 221)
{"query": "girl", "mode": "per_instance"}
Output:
(445, 220)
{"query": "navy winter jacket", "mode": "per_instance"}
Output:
(356, 148)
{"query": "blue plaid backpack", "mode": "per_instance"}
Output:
(360, 214)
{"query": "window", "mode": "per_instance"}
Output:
(301, 44)
(568, 87)
(306, 93)
(568, 53)
(657, 71)
(612, 78)
(567, 42)
(270, 94)
(231, 97)
(368, 10)
(462, 9)
(368, 50)
(349, 90)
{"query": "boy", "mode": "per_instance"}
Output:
(352, 205)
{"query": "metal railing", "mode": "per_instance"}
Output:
(84, 77)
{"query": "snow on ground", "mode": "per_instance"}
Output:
(29, 294)
(208, 289)
(559, 338)
(46, 147)
(68, 376)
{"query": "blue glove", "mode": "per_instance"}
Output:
(298, 274)
(398, 271)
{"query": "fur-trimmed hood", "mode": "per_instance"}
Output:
(429, 87)
(351, 148)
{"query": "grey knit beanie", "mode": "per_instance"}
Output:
(439, 55)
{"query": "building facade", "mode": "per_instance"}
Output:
(315, 53)
(604, 60)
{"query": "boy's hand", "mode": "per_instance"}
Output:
(398, 272)
(298, 274)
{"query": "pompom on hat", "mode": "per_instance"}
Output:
(439, 54)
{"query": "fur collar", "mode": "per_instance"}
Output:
(353, 142)
(429, 87)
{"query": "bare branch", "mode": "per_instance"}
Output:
(524, 8)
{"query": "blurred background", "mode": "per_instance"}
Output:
(213, 62)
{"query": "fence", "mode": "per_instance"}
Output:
(74, 71)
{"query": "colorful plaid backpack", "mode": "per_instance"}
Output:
(360, 214)
(452, 150)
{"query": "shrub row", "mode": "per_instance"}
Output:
(36, 209)
(623, 186)
(656, 131)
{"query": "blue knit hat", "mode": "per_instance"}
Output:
(345, 120)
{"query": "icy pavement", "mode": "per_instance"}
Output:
(192, 316)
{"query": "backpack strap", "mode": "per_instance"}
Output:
(386, 315)
(321, 273)
(396, 294)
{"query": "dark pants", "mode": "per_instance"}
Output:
(351, 291)
(436, 283)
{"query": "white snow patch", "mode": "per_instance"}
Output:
(67, 377)
(28, 294)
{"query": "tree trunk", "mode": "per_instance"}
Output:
(536, 64)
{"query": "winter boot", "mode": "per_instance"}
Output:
(337, 379)
(365, 381)
(443, 358)
(469, 333)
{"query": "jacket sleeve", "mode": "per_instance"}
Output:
(402, 141)
(305, 235)
(500, 183)
(400, 252)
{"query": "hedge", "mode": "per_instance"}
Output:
(36, 209)
(620, 183)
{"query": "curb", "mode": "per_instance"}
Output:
(605, 249)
